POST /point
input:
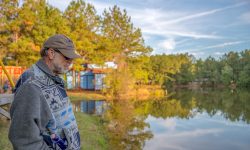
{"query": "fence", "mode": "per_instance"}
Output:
(5, 99)
(14, 71)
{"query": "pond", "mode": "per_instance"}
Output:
(187, 120)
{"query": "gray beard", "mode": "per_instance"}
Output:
(60, 70)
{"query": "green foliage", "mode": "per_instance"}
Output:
(119, 84)
(244, 78)
(8, 29)
(91, 128)
(128, 51)
(33, 23)
(231, 69)
(108, 37)
(138, 67)
(124, 40)
(4, 128)
(84, 23)
(227, 74)
(93, 137)
(185, 75)
(212, 71)
(164, 68)
(126, 130)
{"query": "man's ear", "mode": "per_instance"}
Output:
(50, 53)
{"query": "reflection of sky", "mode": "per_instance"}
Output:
(199, 133)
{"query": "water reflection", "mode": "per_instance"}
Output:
(127, 130)
(201, 119)
(96, 107)
(211, 119)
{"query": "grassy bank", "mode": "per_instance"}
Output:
(90, 128)
(93, 135)
(4, 128)
(140, 92)
(85, 95)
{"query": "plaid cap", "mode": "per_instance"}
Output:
(63, 44)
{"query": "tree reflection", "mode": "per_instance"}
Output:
(125, 120)
(234, 105)
(126, 129)
(166, 108)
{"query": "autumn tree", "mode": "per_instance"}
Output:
(8, 25)
(126, 44)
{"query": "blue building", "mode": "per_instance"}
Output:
(89, 79)
(93, 107)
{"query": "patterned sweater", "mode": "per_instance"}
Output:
(40, 108)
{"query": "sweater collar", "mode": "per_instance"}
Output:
(44, 67)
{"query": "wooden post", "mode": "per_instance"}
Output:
(7, 74)
(4, 100)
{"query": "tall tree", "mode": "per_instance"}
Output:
(125, 41)
(8, 24)
(164, 67)
(212, 70)
(36, 22)
(233, 60)
(227, 74)
(126, 46)
(244, 78)
(84, 26)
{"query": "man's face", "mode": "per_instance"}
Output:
(61, 64)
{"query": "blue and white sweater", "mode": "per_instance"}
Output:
(40, 108)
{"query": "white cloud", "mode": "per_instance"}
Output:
(197, 51)
(221, 45)
(194, 133)
(177, 140)
(168, 44)
(219, 53)
(167, 33)
(153, 21)
(164, 23)
(169, 124)
(151, 119)
(161, 27)
(193, 16)
(246, 17)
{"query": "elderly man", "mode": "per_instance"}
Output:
(41, 113)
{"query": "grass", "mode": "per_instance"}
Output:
(93, 136)
(142, 92)
(4, 129)
(90, 128)
(92, 132)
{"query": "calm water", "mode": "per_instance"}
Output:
(188, 120)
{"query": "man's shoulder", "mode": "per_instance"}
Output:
(27, 74)
(29, 84)
(31, 77)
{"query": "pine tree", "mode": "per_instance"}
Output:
(84, 25)
(8, 25)
(126, 41)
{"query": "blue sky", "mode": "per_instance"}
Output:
(199, 27)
